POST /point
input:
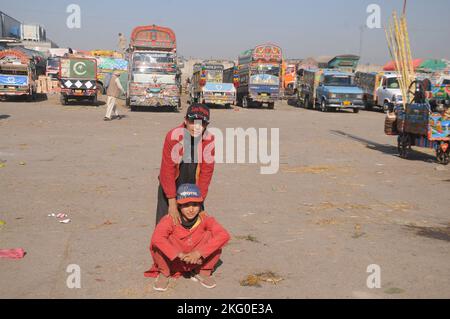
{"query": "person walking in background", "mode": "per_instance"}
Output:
(122, 43)
(114, 91)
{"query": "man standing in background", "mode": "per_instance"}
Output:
(122, 43)
(114, 91)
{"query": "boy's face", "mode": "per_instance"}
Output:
(190, 210)
(195, 127)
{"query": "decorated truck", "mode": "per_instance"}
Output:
(259, 72)
(106, 66)
(78, 79)
(289, 79)
(381, 89)
(326, 89)
(18, 74)
(208, 85)
(153, 77)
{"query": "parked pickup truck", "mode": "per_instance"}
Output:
(326, 89)
(381, 89)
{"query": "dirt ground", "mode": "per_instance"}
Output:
(341, 201)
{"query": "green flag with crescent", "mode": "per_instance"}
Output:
(78, 69)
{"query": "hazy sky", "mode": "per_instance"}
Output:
(225, 28)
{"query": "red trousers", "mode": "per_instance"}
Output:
(176, 267)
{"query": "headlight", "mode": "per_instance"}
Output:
(332, 96)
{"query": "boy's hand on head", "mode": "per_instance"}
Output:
(173, 211)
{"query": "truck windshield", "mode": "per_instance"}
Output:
(53, 63)
(392, 83)
(266, 69)
(446, 82)
(214, 76)
(151, 62)
(336, 80)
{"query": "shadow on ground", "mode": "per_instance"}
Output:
(440, 233)
(384, 148)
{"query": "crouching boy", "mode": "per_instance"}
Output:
(191, 248)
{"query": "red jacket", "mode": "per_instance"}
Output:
(172, 156)
(208, 237)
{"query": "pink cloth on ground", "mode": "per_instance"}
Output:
(16, 253)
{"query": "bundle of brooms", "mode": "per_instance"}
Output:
(400, 50)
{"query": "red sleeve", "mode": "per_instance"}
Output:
(160, 238)
(219, 237)
(168, 168)
(207, 169)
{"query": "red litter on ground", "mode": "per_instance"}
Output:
(16, 253)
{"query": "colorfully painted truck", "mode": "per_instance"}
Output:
(153, 76)
(326, 89)
(18, 74)
(381, 89)
(259, 72)
(208, 85)
(289, 78)
(105, 68)
(78, 79)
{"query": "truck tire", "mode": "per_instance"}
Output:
(323, 106)
(64, 100)
(355, 110)
(385, 106)
(100, 88)
(244, 102)
(271, 105)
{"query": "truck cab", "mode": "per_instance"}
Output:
(337, 90)
(388, 93)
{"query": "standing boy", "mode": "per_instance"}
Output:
(188, 157)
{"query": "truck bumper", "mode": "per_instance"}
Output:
(355, 104)
(264, 99)
(220, 100)
(78, 93)
(14, 93)
(156, 101)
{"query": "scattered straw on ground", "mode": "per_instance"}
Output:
(255, 280)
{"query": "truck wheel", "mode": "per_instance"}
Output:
(323, 106)
(64, 100)
(127, 102)
(355, 110)
(100, 88)
(271, 105)
(386, 106)
(404, 145)
(94, 100)
(180, 106)
(443, 157)
(244, 102)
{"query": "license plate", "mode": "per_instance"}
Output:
(78, 91)
(11, 87)
(347, 103)
(264, 94)
(217, 94)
